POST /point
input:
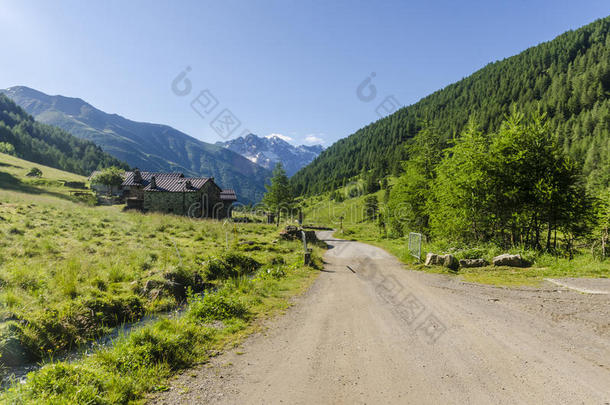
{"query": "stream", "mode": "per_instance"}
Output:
(10, 374)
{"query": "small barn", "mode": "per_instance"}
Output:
(173, 193)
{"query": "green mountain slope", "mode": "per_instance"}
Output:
(152, 147)
(568, 78)
(48, 145)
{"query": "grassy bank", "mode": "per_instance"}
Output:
(321, 210)
(70, 273)
(141, 362)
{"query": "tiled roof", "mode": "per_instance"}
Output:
(146, 176)
(173, 182)
(177, 184)
(228, 195)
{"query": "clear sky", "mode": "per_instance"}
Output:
(281, 67)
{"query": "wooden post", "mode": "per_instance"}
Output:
(306, 252)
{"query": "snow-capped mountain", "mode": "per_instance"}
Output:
(268, 151)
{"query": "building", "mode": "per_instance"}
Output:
(173, 193)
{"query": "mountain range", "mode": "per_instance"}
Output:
(151, 147)
(270, 150)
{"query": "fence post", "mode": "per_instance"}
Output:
(306, 252)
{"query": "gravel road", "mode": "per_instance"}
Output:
(370, 332)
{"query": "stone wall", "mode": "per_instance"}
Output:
(171, 203)
(204, 203)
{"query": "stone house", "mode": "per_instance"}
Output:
(173, 193)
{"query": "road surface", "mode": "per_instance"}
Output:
(371, 332)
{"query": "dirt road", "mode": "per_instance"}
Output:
(376, 333)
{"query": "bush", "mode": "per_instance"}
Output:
(7, 148)
(34, 172)
(229, 265)
(219, 306)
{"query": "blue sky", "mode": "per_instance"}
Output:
(280, 67)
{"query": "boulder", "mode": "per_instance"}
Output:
(450, 262)
(473, 263)
(432, 259)
(291, 232)
(507, 259)
(155, 288)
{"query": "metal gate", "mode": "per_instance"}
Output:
(415, 245)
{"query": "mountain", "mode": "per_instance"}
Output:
(150, 147)
(268, 151)
(27, 139)
(567, 78)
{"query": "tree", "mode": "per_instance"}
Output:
(7, 148)
(371, 207)
(515, 187)
(279, 195)
(408, 197)
(109, 177)
(459, 193)
(34, 172)
(371, 182)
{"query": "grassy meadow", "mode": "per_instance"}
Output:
(321, 210)
(71, 272)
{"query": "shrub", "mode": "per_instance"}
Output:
(219, 306)
(34, 172)
(230, 265)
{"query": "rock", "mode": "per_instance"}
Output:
(12, 351)
(473, 263)
(507, 259)
(432, 259)
(291, 232)
(154, 287)
(450, 262)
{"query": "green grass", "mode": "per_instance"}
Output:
(322, 211)
(52, 183)
(70, 273)
(140, 363)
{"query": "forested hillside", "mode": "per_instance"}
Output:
(567, 78)
(25, 138)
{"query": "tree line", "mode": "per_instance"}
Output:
(514, 186)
